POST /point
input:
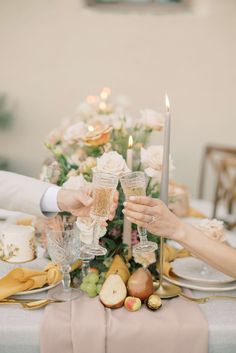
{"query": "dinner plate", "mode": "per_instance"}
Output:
(202, 286)
(38, 264)
(196, 270)
(37, 290)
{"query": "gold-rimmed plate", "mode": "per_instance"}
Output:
(225, 287)
(196, 270)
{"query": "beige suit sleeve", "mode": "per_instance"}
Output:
(21, 193)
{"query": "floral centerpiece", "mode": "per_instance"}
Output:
(97, 136)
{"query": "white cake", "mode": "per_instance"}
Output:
(17, 243)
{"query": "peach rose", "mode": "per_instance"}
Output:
(98, 134)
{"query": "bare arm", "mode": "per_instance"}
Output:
(159, 220)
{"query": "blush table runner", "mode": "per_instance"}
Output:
(85, 326)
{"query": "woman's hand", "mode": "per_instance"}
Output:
(153, 215)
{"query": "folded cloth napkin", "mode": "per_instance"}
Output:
(192, 212)
(170, 254)
(21, 279)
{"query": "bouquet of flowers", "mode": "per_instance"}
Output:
(97, 136)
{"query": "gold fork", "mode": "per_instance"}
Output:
(206, 299)
(30, 305)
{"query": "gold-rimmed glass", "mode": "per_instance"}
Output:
(134, 184)
(104, 186)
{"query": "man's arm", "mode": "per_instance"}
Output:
(21, 193)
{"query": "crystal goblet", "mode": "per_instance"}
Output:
(64, 249)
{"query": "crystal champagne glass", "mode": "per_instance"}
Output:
(64, 249)
(104, 186)
(134, 184)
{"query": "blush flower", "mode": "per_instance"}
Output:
(212, 228)
(75, 133)
(152, 119)
(152, 159)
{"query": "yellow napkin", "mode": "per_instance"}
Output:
(21, 279)
(170, 254)
(192, 212)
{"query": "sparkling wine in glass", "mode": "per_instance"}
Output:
(134, 184)
(104, 186)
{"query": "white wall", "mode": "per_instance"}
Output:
(53, 53)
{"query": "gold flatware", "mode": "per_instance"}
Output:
(201, 300)
(206, 299)
(30, 305)
(22, 300)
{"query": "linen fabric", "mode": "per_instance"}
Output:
(86, 326)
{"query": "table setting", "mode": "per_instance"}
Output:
(95, 284)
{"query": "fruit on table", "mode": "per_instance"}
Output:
(154, 302)
(113, 292)
(92, 284)
(92, 277)
(132, 303)
(119, 267)
(140, 284)
(93, 269)
(99, 287)
(91, 290)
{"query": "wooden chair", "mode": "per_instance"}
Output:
(223, 162)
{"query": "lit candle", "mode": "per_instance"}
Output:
(127, 229)
(166, 155)
(129, 158)
(164, 182)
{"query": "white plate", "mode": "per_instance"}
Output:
(37, 290)
(38, 264)
(202, 286)
(191, 269)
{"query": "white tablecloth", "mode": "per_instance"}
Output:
(19, 329)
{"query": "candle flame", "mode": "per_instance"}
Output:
(167, 104)
(131, 141)
(90, 128)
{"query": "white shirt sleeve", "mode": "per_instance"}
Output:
(48, 202)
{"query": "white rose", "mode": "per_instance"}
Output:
(212, 228)
(152, 159)
(152, 119)
(77, 182)
(112, 162)
(75, 132)
(85, 226)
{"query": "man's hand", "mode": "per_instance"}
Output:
(79, 202)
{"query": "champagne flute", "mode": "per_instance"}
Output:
(134, 184)
(104, 186)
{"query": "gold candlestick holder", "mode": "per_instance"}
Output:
(165, 290)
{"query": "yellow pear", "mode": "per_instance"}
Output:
(119, 267)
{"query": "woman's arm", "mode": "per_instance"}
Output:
(154, 215)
